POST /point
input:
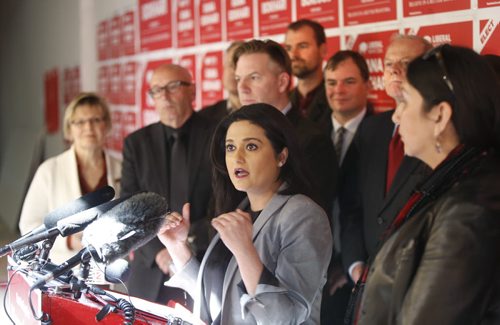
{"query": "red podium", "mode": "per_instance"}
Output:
(63, 308)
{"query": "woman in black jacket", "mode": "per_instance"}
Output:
(440, 263)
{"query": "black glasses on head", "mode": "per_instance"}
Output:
(437, 53)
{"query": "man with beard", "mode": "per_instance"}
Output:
(305, 42)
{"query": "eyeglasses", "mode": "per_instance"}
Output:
(172, 87)
(93, 121)
(437, 53)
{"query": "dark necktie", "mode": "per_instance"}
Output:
(179, 176)
(394, 158)
(339, 142)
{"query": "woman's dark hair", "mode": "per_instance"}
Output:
(280, 133)
(464, 79)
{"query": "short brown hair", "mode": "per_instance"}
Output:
(275, 51)
(319, 31)
(357, 58)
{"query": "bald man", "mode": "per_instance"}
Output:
(171, 158)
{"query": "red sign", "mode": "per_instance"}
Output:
(487, 3)
(211, 78)
(489, 37)
(324, 12)
(128, 125)
(113, 138)
(155, 22)
(127, 46)
(71, 84)
(127, 96)
(115, 84)
(333, 46)
(454, 33)
(425, 7)
(103, 48)
(103, 83)
(210, 21)
(148, 111)
(372, 47)
(361, 11)
(115, 36)
(239, 18)
(274, 16)
(189, 62)
(185, 23)
(51, 87)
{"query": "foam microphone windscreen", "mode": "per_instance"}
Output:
(127, 226)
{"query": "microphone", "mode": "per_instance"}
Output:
(83, 203)
(117, 271)
(73, 261)
(127, 226)
(64, 227)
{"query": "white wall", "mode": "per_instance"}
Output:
(35, 36)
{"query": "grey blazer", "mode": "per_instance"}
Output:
(294, 242)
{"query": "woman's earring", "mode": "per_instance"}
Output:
(280, 164)
(439, 149)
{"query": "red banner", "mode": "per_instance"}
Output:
(103, 48)
(487, 3)
(51, 88)
(127, 35)
(71, 84)
(239, 18)
(372, 47)
(324, 12)
(489, 36)
(103, 82)
(128, 72)
(155, 24)
(185, 23)
(128, 125)
(210, 21)
(114, 136)
(361, 12)
(274, 16)
(115, 84)
(211, 78)
(425, 7)
(333, 46)
(454, 33)
(148, 111)
(115, 36)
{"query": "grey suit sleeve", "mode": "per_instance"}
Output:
(305, 245)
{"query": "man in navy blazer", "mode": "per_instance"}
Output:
(372, 204)
(347, 84)
(148, 165)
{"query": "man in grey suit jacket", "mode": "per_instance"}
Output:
(372, 204)
(152, 161)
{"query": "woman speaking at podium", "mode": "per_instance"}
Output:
(267, 263)
(83, 168)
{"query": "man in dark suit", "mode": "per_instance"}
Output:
(263, 75)
(347, 84)
(170, 158)
(305, 42)
(222, 108)
(386, 178)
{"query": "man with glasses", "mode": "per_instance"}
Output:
(386, 178)
(171, 158)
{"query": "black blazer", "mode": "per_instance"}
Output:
(215, 112)
(319, 155)
(144, 169)
(318, 109)
(367, 211)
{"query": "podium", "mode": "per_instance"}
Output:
(63, 308)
